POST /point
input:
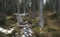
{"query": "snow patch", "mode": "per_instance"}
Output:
(6, 31)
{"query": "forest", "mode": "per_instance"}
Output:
(29, 18)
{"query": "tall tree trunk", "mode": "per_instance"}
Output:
(5, 10)
(3, 13)
(58, 9)
(41, 20)
(54, 5)
(33, 8)
(19, 17)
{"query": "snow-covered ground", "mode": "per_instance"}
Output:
(6, 31)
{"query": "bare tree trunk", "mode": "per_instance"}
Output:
(54, 5)
(58, 9)
(41, 20)
(33, 8)
(19, 17)
(4, 10)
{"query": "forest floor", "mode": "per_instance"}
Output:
(51, 27)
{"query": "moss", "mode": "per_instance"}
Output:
(3, 35)
(36, 29)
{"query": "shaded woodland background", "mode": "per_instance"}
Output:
(51, 16)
